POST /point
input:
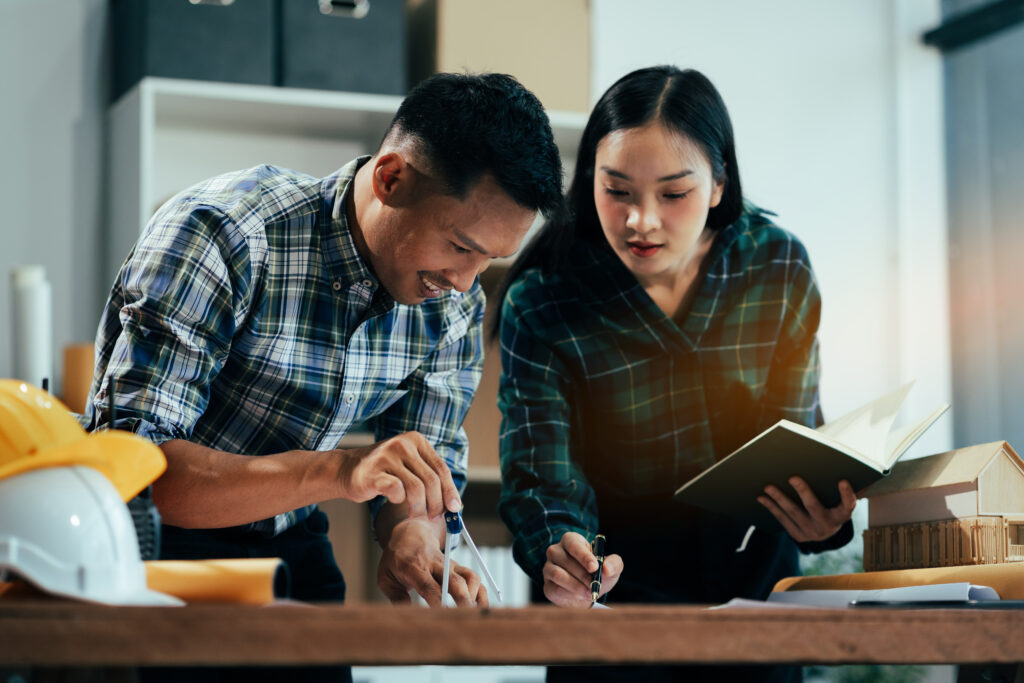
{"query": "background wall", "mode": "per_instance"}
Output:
(54, 84)
(985, 106)
(837, 112)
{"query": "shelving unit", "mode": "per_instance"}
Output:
(167, 134)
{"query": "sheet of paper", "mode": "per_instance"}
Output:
(939, 592)
(816, 598)
(746, 603)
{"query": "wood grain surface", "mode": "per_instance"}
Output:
(66, 634)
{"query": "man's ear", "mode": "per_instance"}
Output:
(392, 179)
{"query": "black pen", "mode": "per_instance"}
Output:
(597, 546)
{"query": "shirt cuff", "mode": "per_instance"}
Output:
(136, 425)
(531, 555)
(836, 540)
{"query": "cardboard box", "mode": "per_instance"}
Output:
(543, 43)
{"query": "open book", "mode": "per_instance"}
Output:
(860, 447)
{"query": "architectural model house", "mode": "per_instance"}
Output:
(961, 507)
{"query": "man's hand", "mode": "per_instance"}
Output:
(569, 568)
(813, 521)
(404, 468)
(413, 560)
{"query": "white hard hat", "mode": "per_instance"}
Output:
(66, 530)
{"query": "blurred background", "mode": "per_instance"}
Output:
(897, 159)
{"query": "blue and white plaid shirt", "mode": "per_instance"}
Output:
(244, 320)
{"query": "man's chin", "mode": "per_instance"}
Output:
(409, 298)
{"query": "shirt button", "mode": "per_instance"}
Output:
(350, 398)
(336, 285)
(367, 283)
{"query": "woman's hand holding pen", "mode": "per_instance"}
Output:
(813, 521)
(569, 568)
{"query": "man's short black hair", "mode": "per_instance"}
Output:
(469, 125)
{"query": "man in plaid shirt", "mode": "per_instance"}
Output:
(265, 312)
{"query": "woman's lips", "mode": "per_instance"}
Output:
(644, 249)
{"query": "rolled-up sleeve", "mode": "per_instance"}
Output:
(169, 324)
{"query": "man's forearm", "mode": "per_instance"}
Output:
(206, 488)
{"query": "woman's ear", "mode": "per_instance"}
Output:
(719, 189)
(716, 193)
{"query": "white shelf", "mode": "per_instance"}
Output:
(166, 134)
(280, 111)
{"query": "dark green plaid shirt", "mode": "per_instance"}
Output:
(607, 400)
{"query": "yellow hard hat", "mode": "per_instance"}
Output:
(37, 431)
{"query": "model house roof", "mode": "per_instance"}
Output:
(961, 466)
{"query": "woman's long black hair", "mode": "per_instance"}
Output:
(685, 102)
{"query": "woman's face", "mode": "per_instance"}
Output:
(653, 189)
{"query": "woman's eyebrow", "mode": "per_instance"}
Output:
(672, 176)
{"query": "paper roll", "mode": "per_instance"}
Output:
(31, 325)
(244, 581)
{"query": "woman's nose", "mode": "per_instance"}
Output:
(642, 220)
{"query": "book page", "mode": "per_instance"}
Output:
(866, 429)
(902, 439)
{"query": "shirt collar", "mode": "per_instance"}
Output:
(342, 258)
(608, 280)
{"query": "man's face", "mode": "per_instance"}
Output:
(437, 243)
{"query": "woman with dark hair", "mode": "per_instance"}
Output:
(653, 327)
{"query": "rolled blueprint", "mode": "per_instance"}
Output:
(31, 325)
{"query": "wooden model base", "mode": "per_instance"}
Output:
(944, 543)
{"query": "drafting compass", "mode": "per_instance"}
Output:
(454, 530)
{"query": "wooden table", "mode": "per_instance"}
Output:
(61, 634)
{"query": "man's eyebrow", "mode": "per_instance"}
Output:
(673, 176)
(462, 237)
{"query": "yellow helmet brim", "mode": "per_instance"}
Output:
(130, 462)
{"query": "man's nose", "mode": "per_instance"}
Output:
(464, 278)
